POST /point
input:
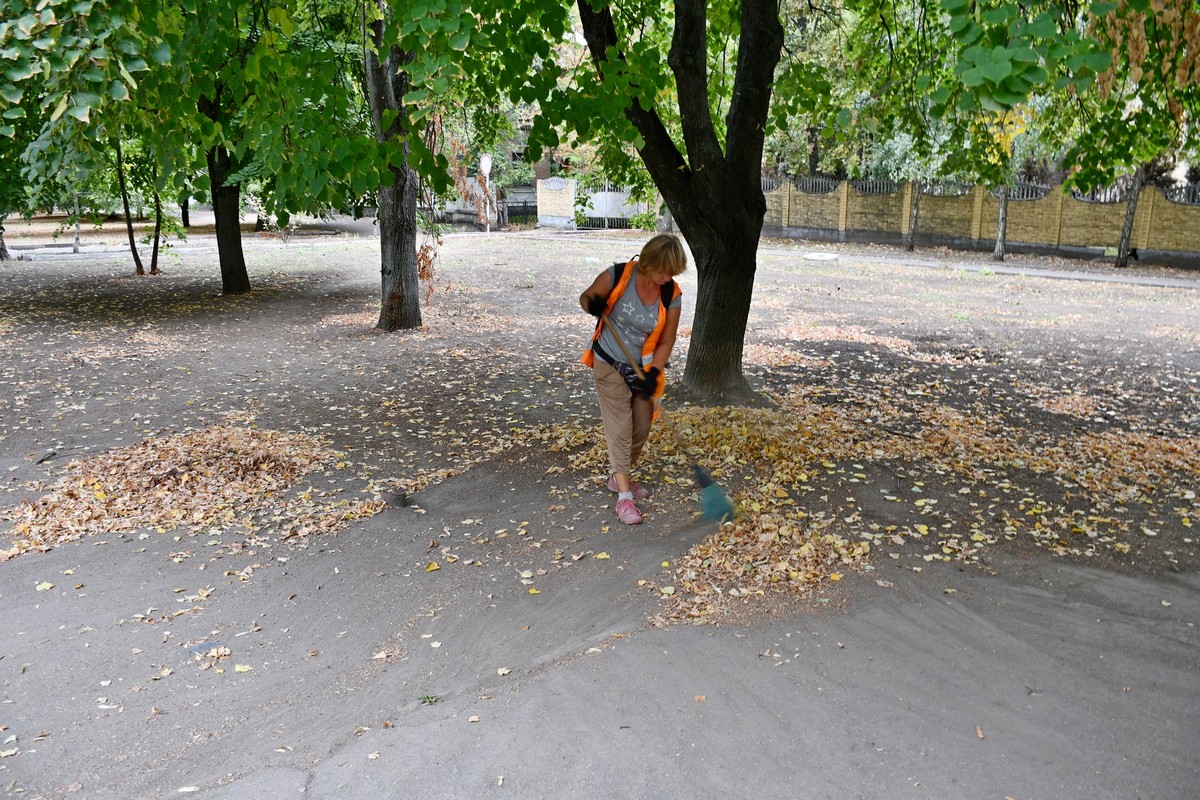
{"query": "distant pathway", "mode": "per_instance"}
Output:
(315, 231)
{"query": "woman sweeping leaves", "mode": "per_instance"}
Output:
(642, 302)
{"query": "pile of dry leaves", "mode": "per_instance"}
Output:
(219, 476)
(795, 472)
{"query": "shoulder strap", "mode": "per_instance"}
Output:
(668, 288)
(668, 293)
(615, 269)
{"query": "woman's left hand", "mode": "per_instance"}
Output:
(651, 383)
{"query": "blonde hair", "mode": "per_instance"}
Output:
(662, 256)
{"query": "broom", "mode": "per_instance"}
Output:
(714, 503)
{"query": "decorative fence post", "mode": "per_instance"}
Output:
(843, 209)
(977, 195)
(1057, 193)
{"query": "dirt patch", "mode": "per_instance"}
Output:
(966, 412)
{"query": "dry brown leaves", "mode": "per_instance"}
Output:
(1072, 405)
(218, 476)
(141, 344)
(780, 544)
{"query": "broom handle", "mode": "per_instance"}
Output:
(638, 368)
(635, 363)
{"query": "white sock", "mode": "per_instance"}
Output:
(624, 496)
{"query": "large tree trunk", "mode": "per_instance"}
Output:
(910, 238)
(137, 259)
(715, 194)
(226, 202)
(1001, 226)
(1139, 177)
(386, 84)
(726, 260)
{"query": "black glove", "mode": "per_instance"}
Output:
(596, 305)
(650, 383)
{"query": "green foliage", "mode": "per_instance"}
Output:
(1007, 51)
(646, 222)
(275, 82)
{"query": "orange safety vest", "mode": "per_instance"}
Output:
(589, 356)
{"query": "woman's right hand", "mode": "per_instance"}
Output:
(595, 305)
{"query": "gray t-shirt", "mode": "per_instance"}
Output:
(633, 319)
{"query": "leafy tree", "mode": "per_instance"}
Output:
(266, 90)
(22, 121)
(649, 80)
(817, 98)
(900, 51)
(1132, 68)
(1148, 98)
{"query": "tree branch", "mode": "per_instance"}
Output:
(688, 59)
(758, 55)
(660, 155)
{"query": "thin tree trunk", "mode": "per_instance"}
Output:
(1001, 226)
(75, 203)
(1139, 177)
(386, 83)
(157, 227)
(227, 211)
(137, 259)
(4, 254)
(185, 218)
(910, 238)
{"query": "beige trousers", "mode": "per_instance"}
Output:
(626, 418)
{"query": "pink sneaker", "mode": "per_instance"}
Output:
(639, 491)
(628, 512)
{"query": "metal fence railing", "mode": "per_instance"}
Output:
(521, 212)
(1104, 194)
(815, 184)
(770, 184)
(602, 223)
(1187, 195)
(875, 186)
(946, 188)
(602, 186)
(1024, 191)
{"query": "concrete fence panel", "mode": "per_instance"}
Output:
(875, 217)
(1056, 222)
(815, 210)
(948, 217)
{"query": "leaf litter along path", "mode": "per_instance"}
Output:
(972, 411)
(952, 417)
